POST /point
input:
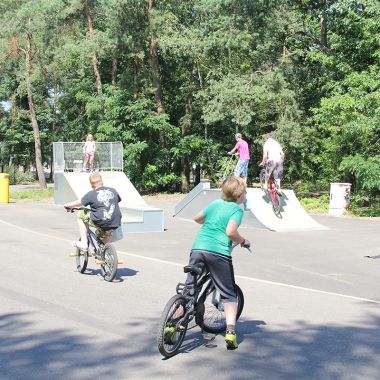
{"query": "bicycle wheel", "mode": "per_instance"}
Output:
(276, 204)
(210, 313)
(172, 329)
(262, 178)
(81, 260)
(109, 262)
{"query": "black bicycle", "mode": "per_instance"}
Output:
(200, 300)
(104, 254)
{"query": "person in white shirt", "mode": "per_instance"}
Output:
(273, 161)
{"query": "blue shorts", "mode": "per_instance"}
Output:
(241, 168)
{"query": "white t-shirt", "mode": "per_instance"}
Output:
(272, 150)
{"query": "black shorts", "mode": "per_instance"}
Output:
(221, 270)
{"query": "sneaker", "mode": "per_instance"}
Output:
(231, 342)
(169, 335)
(80, 245)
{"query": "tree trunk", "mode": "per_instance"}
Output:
(185, 163)
(53, 129)
(32, 112)
(114, 71)
(94, 59)
(323, 24)
(155, 74)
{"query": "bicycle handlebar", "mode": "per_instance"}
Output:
(72, 209)
(246, 246)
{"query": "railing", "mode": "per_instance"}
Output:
(68, 156)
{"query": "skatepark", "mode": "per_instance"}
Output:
(71, 183)
(312, 307)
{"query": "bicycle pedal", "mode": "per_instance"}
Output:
(100, 262)
(73, 254)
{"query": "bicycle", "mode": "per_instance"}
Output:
(272, 193)
(227, 169)
(198, 299)
(104, 253)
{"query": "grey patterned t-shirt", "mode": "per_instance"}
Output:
(104, 204)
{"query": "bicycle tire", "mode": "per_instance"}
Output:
(210, 313)
(81, 260)
(109, 257)
(262, 178)
(276, 204)
(169, 344)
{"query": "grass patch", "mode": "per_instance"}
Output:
(32, 195)
(365, 207)
(318, 205)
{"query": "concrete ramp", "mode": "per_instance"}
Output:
(259, 213)
(293, 217)
(138, 216)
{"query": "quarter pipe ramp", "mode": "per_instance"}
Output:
(138, 216)
(259, 211)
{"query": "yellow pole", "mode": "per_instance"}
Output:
(4, 188)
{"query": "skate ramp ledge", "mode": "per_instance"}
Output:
(203, 185)
(137, 219)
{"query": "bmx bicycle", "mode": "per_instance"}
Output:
(198, 299)
(271, 192)
(227, 170)
(104, 253)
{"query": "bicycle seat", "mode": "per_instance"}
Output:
(193, 269)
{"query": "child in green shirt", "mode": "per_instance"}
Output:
(213, 244)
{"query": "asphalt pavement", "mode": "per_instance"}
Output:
(312, 303)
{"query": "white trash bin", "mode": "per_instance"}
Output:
(339, 198)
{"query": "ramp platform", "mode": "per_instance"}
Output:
(71, 183)
(259, 211)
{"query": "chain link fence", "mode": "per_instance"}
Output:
(69, 156)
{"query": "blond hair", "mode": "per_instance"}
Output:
(96, 180)
(89, 135)
(233, 188)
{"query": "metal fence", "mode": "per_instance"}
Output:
(69, 157)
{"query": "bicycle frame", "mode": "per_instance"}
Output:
(94, 241)
(192, 290)
(272, 188)
(272, 193)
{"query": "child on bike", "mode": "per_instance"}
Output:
(273, 161)
(104, 212)
(89, 148)
(213, 245)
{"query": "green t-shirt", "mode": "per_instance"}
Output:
(212, 235)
